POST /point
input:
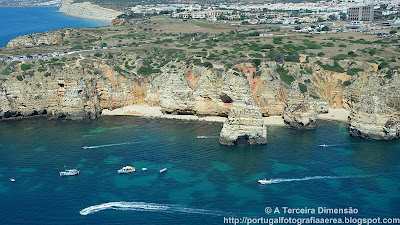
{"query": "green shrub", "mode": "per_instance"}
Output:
(314, 96)
(146, 71)
(307, 81)
(256, 62)
(47, 74)
(76, 47)
(321, 54)
(5, 72)
(353, 71)
(98, 54)
(312, 45)
(339, 57)
(41, 69)
(346, 83)
(208, 64)
(285, 77)
(277, 40)
(335, 68)
(256, 55)
(303, 88)
(20, 78)
(26, 67)
(383, 65)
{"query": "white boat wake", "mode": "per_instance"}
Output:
(109, 145)
(281, 180)
(149, 207)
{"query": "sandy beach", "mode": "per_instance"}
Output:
(155, 112)
(336, 115)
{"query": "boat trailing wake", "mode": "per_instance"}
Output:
(149, 207)
(281, 180)
(109, 145)
(206, 137)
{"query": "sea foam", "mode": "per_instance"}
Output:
(150, 207)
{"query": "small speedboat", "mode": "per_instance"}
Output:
(127, 169)
(163, 170)
(144, 169)
(67, 172)
(323, 145)
(12, 179)
(85, 147)
(201, 137)
(265, 181)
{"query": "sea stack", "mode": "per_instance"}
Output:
(245, 121)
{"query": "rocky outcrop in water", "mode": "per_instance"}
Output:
(244, 121)
(88, 10)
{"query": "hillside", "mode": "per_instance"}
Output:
(124, 4)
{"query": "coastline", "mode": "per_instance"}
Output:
(86, 17)
(155, 112)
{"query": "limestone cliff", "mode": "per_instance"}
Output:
(80, 86)
(88, 10)
(300, 111)
(376, 106)
(72, 90)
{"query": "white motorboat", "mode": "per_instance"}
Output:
(265, 181)
(323, 145)
(12, 179)
(127, 169)
(163, 170)
(71, 172)
(144, 169)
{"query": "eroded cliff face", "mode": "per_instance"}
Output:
(376, 106)
(182, 89)
(81, 87)
(88, 10)
(300, 111)
(73, 91)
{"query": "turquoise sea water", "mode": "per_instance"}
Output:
(21, 21)
(205, 181)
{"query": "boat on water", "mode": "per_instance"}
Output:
(12, 179)
(265, 181)
(144, 169)
(163, 170)
(127, 169)
(67, 172)
(85, 147)
(201, 137)
(323, 145)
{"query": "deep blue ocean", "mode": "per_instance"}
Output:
(204, 182)
(21, 21)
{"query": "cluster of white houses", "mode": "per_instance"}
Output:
(203, 14)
